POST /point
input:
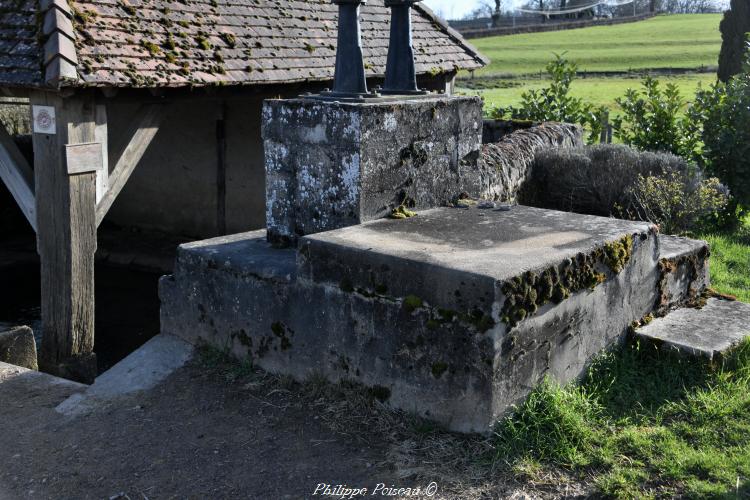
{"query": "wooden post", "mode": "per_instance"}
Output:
(66, 232)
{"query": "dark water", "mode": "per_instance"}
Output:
(127, 307)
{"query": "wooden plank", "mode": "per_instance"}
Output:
(84, 158)
(221, 171)
(144, 128)
(17, 176)
(101, 134)
(66, 240)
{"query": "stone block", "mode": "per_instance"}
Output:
(456, 314)
(18, 347)
(331, 165)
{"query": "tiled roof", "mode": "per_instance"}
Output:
(175, 43)
(20, 52)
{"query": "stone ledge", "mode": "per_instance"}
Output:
(709, 332)
(452, 257)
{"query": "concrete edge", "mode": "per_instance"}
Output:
(142, 370)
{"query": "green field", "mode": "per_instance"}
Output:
(679, 41)
(599, 91)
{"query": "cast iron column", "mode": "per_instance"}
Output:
(400, 74)
(349, 80)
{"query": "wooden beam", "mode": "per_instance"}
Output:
(102, 176)
(139, 136)
(17, 176)
(66, 238)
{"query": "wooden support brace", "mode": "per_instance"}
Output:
(139, 136)
(66, 236)
(17, 176)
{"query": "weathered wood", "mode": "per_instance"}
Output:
(84, 158)
(221, 171)
(101, 133)
(139, 136)
(66, 240)
(17, 176)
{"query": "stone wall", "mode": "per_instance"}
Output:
(503, 167)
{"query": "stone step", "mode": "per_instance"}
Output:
(708, 332)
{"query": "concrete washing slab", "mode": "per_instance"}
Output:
(33, 380)
(707, 332)
(140, 371)
(456, 314)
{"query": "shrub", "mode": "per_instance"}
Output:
(677, 203)
(725, 113)
(652, 120)
(592, 180)
(615, 180)
(734, 26)
(554, 103)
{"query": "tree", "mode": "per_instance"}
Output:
(734, 28)
(483, 10)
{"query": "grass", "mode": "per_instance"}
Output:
(680, 41)
(601, 91)
(647, 423)
(730, 262)
(643, 424)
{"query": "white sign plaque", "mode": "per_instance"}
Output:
(44, 120)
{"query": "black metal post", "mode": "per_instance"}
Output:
(349, 80)
(400, 73)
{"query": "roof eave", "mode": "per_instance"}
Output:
(60, 61)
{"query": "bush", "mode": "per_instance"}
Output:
(677, 203)
(554, 103)
(734, 26)
(615, 180)
(652, 120)
(592, 180)
(725, 113)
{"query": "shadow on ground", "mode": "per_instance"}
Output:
(216, 430)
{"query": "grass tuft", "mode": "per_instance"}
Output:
(643, 423)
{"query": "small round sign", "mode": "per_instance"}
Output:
(44, 120)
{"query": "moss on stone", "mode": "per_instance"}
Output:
(381, 393)
(618, 254)
(152, 48)
(346, 285)
(229, 39)
(438, 369)
(282, 332)
(402, 212)
(529, 292)
(412, 303)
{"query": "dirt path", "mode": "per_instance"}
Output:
(211, 433)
